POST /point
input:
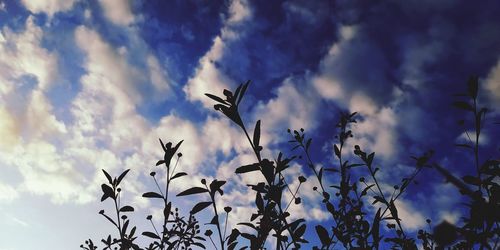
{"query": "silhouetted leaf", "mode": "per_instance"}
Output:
(231, 246)
(253, 217)
(110, 180)
(337, 150)
(193, 190)
(124, 227)
(375, 228)
(177, 175)
(472, 180)
(300, 231)
(242, 93)
(160, 162)
(268, 170)
(355, 165)
(151, 235)
(216, 185)
(152, 195)
(259, 202)
(308, 144)
(463, 105)
(256, 134)
(247, 168)
(294, 224)
(198, 244)
(378, 199)
(331, 170)
(177, 146)
(394, 211)
(365, 191)
(463, 145)
(472, 85)
(162, 145)
(120, 178)
(127, 209)
(215, 220)
(234, 234)
(166, 210)
(200, 206)
(369, 159)
(445, 233)
(216, 98)
(109, 219)
(108, 192)
(132, 232)
(323, 235)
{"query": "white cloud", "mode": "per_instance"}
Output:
(118, 12)
(469, 138)
(9, 130)
(208, 77)
(87, 13)
(159, 77)
(7, 193)
(376, 131)
(49, 7)
(109, 67)
(295, 106)
(239, 11)
(46, 171)
(23, 54)
(328, 88)
(40, 119)
(2, 7)
(412, 219)
(492, 84)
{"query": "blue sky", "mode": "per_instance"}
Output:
(87, 85)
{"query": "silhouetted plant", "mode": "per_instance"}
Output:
(176, 230)
(350, 203)
(351, 228)
(482, 224)
(121, 222)
(268, 198)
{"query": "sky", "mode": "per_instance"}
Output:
(91, 85)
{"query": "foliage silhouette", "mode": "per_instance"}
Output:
(349, 203)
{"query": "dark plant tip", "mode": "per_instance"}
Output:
(152, 174)
(124, 217)
(428, 221)
(101, 212)
(302, 179)
(119, 189)
(208, 232)
(149, 217)
(203, 181)
(362, 179)
(179, 155)
(228, 209)
(396, 187)
(315, 188)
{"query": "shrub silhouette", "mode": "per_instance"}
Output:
(347, 202)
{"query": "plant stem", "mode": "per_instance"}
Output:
(218, 224)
